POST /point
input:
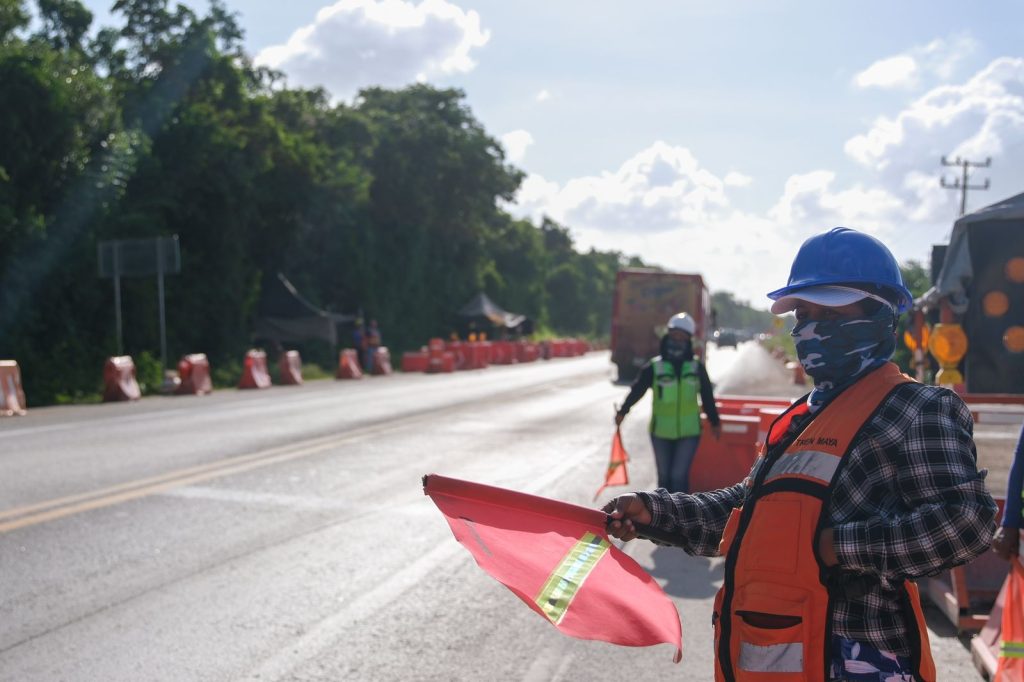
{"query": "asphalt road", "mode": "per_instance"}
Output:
(283, 534)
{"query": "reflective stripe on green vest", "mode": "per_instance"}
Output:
(1011, 649)
(676, 413)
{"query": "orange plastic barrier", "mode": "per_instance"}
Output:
(475, 355)
(985, 647)
(748, 404)
(289, 368)
(12, 397)
(119, 379)
(194, 371)
(438, 359)
(381, 361)
(254, 371)
(726, 461)
(348, 365)
(415, 361)
(526, 351)
(503, 353)
(457, 349)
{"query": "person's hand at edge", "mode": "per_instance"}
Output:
(716, 431)
(1006, 541)
(625, 510)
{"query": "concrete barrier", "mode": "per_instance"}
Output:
(348, 365)
(254, 371)
(12, 396)
(289, 368)
(194, 372)
(381, 361)
(119, 381)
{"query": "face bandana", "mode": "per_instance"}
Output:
(676, 351)
(834, 353)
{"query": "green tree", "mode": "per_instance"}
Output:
(437, 177)
(65, 23)
(13, 16)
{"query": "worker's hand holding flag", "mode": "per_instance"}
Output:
(557, 558)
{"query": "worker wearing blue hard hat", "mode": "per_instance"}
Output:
(865, 484)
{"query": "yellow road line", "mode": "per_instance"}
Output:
(30, 515)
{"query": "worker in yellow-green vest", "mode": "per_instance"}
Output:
(677, 378)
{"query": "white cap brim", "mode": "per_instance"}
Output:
(832, 296)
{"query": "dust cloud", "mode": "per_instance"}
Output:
(750, 370)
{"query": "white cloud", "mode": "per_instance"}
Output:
(662, 205)
(515, 144)
(983, 117)
(357, 43)
(938, 58)
(660, 188)
(542, 96)
(735, 179)
(893, 72)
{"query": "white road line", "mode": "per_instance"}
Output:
(328, 631)
(245, 497)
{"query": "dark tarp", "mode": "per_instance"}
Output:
(974, 266)
(283, 315)
(482, 307)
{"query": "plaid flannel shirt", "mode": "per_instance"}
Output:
(908, 502)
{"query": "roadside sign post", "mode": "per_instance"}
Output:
(138, 258)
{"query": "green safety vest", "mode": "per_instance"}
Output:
(676, 413)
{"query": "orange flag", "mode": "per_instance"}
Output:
(616, 474)
(558, 559)
(1011, 648)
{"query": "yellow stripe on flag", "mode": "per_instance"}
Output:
(562, 585)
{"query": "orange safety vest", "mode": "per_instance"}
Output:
(773, 614)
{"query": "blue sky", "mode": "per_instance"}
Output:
(704, 136)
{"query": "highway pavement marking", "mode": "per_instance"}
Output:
(264, 499)
(50, 510)
(319, 636)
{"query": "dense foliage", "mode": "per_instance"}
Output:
(390, 207)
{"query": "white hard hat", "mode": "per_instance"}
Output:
(683, 322)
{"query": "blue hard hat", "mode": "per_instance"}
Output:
(847, 257)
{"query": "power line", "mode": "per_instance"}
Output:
(961, 184)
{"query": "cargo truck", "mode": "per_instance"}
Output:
(644, 300)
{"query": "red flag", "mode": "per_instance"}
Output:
(557, 558)
(616, 474)
(1011, 645)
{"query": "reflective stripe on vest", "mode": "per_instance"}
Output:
(772, 658)
(773, 613)
(1011, 649)
(819, 466)
(675, 413)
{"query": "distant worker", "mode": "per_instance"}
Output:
(373, 342)
(867, 483)
(359, 342)
(1006, 542)
(677, 378)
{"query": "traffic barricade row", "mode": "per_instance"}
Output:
(194, 375)
(448, 356)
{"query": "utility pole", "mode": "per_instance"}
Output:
(961, 182)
